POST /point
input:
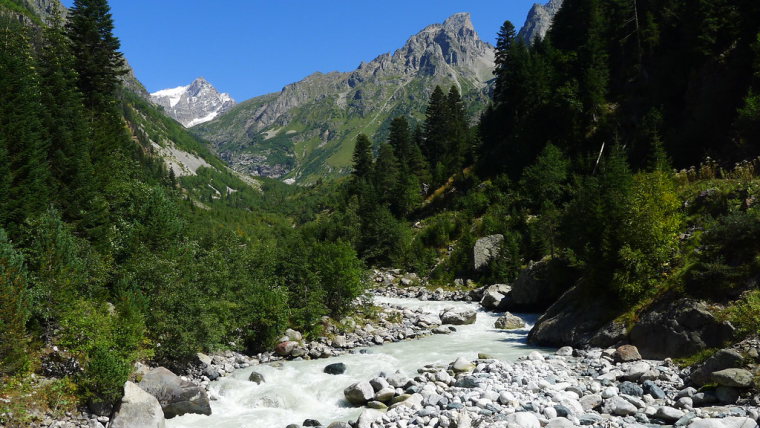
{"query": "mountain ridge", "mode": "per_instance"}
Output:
(193, 104)
(307, 130)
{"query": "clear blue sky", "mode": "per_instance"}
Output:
(254, 47)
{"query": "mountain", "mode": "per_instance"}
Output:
(539, 20)
(308, 129)
(196, 103)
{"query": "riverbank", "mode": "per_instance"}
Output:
(611, 388)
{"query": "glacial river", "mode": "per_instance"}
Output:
(300, 390)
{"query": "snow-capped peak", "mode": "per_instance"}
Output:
(193, 104)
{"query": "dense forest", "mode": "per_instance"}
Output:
(623, 146)
(106, 257)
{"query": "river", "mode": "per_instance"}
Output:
(300, 390)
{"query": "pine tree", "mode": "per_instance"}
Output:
(458, 151)
(504, 41)
(98, 60)
(65, 123)
(14, 309)
(436, 130)
(401, 141)
(20, 129)
(386, 175)
(362, 157)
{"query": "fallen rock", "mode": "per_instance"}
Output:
(359, 393)
(177, 396)
(723, 359)
(256, 377)
(335, 369)
(458, 316)
(138, 410)
(285, 348)
(493, 297)
(510, 322)
(486, 249)
(739, 378)
(626, 353)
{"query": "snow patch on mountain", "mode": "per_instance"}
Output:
(196, 103)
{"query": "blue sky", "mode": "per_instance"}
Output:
(254, 47)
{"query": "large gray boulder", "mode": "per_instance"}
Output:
(493, 297)
(509, 322)
(458, 316)
(138, 409)
(739, 378)
(723, 359)
(540, 285)
(679, 328)
(486, 249)
(176, 396)
(572, 320)
(359, 393)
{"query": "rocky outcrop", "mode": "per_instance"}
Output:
(486, 249)
(138, 409)
(679, 328)
(575, 319)
(539, 20)
(721, 360)
(494, 297)
(196, 103)
(176, 396)
(540, 285)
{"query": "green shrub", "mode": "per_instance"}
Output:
(745, 314)
(14, 309)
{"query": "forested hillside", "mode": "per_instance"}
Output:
(620, 153)
(623, 149)
(111, 249)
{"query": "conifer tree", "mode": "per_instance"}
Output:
(386, 175)
(20, 128)
(505, 39)
(362, 157)
(458, 151)
(98, 60)
(65, 123)
(14, 309)
(401, 141)
(436, 132)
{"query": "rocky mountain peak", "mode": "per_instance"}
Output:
(193, 104)
(460, 23)
(539, 20)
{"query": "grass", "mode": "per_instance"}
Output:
(20, 394)
(697, 358)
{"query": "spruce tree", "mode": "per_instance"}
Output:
(14, 309)
(436, 132)
(65, 123)
(401, 141)
(362, 157)
(386, 175)
(504, 41)
(98, 60)
(20, 126)
(458, 151)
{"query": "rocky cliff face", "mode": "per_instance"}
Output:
(539, 20)
(196, 103)
(308, 129)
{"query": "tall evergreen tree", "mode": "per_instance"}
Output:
(504, 41)
(458, 150)
(65, 123)
(386, 175)
(401, 140)
(98, 60)
(362, 157)
(20, 128)
(436, 132)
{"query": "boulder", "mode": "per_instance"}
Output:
(678, 328)
(723, 359)
(385, 394)
(626, 353)
(739, 378)
(493, 297)
(524, 420)
(462, 365)
(565, 351)
(458, 316)
(359, 393)
(339, 425)
(256, 377)
(335, 368)
(669, 414)
(619, 406)
(285, 348)
(311, 423)
(540, 285)
(572, 320)
(176, 396)
(486, 249)
(510, 322)
(728, 422)
(138, 409)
